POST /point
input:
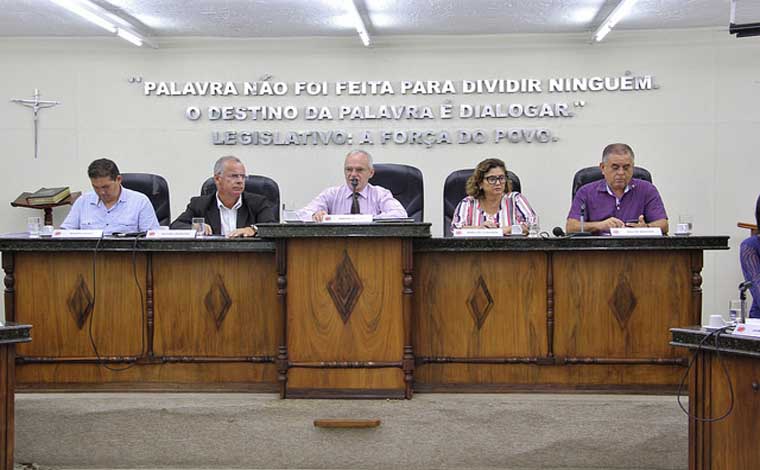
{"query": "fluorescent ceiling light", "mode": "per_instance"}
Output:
(101, 17)
(129, 36)
(85, 13)
(623, 8)
(361, 28)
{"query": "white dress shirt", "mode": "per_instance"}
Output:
(228, 216)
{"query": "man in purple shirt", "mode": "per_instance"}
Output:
(357, 196)
(618, 200)
(110, 206)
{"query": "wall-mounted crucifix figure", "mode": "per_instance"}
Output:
(36, 104)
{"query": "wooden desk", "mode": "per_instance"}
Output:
(433, 314)
(732, 442)
(168, 314)
(10, 335)
(554, 314)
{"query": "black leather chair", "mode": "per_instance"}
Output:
(405, 182)
(454, 191)
(157, 190)
(258, 184)
(594, 173)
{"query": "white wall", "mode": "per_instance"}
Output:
(695, 133)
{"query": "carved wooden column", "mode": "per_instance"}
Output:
(408, 361)
(696, 287)
(282, 297)
(549, 305)
(10, 285)
(149, 313)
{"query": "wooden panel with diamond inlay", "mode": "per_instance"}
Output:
(52, 293)
(215, 304)
(360, 321)
(482, 319)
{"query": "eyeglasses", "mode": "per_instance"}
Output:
(496, 179)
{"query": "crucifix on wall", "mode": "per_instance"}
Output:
(36, 105)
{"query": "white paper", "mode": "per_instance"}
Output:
(60, 233)
(636, 232)
(477, 232)
(348, 219)
(747, 329)
(164, 234)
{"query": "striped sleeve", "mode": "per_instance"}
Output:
(463, 214)
(524, 213)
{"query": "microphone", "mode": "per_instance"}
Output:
(583, 215)
(558, 232)
(743, 300)
(129, 234)
(354, 183)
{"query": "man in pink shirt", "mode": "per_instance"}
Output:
(357, 196)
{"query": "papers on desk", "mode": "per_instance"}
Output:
(60, 233)
(751, 328)
(636, 232)
(171, 234)
(477, 232)
(348, 219)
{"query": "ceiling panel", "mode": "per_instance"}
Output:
(298, 18)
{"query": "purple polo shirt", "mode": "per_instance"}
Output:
(641, 198)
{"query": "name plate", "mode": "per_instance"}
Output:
(60, 233)
(751, 328)
(636, 232)
(477, 232)
(164, 234)
(348, 219)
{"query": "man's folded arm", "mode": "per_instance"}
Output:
(266, 212)
(391, 208)
(146, 218)
(319, 203)
(185, 219)
(71, 222)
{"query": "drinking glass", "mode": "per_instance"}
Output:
(534, 228)
(199, 225)
(34, 225)
(734, 309)
(687, 219)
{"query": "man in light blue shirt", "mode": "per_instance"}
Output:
(110, 207)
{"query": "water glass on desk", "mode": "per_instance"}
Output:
(534, 228)
(734, 310)
(688, 220)
(199, 225)
(33, 226)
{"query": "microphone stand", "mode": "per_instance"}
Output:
(743, 300)
(583, 232)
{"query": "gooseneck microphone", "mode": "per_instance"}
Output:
(558, 232)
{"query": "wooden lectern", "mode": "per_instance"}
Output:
(346, 295)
